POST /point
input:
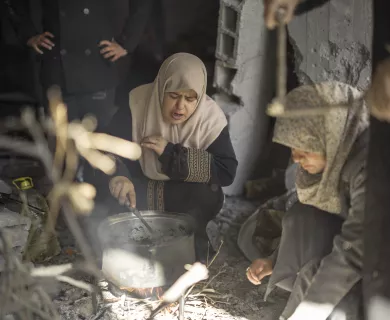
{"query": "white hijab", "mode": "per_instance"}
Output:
(182, 71)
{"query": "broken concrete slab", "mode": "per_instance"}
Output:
(9, 218)
(16, 229)
(333, 42)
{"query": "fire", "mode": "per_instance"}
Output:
(156, 293)
(153, 293)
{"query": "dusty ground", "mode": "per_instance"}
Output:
(229, 296)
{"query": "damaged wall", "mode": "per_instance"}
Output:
(333, 42)
(244, 79)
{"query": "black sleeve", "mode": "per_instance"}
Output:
(216, 165)
(139, 14)
(19, 13)
(308, 5)
(381, 34)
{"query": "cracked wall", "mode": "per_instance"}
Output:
(333, 42)
(244, 79)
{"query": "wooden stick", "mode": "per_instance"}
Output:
(198, 272)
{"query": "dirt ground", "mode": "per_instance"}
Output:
(228, 296)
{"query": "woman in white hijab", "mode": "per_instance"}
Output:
(187, 153)
(319, 258)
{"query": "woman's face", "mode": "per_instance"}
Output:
(179, 106)
(311, 162)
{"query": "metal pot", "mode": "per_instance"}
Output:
(131, 259)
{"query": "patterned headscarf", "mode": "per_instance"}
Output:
(332, 134)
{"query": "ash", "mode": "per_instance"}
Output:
(227, 296)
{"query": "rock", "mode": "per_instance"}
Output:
(17, 235)
(5, 188)
(16, 228)
(9, 218)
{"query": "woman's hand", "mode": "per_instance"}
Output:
(259, 269)
(41, 41)
(123, 190)
(155, 143)
(112, 50)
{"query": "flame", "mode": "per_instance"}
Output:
(156, 293)
(146, 293)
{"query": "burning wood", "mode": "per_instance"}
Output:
(153, 293)
(197, 272)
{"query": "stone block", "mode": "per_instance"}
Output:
(9, 218)
(223, 77)
(244, 79)
(16, 229)
(17, 235)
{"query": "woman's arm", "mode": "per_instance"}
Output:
(216, 165)
(341, 269)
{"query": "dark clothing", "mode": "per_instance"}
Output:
(313, 231)
(376, 266)
(101, 104)
(320, 254)
(377, 221)
(75, 63)
(196, 176)
(308, 5)
(17, 74)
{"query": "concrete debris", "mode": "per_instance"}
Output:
(333, 42)
(16, 228)
(9, 218)
(227, 223)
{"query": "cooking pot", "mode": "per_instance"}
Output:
(133, 259)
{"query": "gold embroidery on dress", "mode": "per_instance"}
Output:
(160, 195)
(150, 194)
(199, 166)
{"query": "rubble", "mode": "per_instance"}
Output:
(16, 228)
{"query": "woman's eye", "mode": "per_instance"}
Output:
(190, 99)
(174, 96)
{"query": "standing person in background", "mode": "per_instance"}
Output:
(80, 50)
(16, 65)
(376, 264)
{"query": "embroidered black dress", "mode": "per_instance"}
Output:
(196, 176)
